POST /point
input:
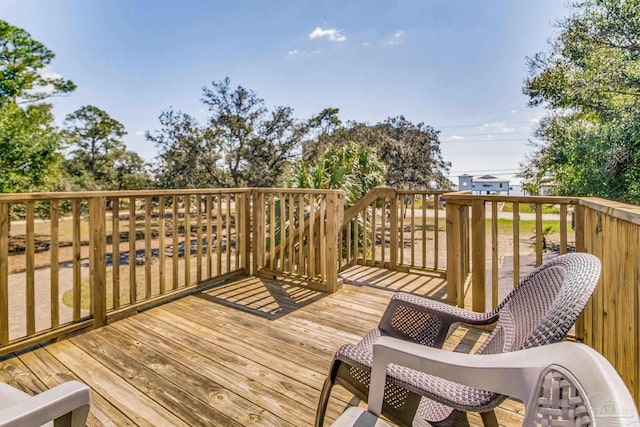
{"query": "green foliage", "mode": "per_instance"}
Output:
(29, 143)
(188, 154)
(351, 167)
(242, 143)
(29, 140)
(590, 80)
(255, 144)
(23, 63)
(411, 153)
(99, 159)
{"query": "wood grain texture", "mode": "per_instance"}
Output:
(201, 360)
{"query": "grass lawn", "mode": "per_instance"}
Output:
(527, 208)
(527, 227)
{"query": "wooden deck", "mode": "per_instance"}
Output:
(248, 352)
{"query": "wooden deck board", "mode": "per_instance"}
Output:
(249, 352)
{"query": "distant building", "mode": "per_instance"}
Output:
(486, 184)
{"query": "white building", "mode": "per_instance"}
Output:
(486, 184)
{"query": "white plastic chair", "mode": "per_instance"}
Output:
(65, 405)
(560, 384)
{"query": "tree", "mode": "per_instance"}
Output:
(188, 154)
(29, 143)
(255, 145)
(589, 80)
(411, 153)
(23, 63)
(29, 140)
(351, 167)
(100, 159)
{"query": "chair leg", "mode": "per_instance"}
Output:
(489, 418)
(324, 401)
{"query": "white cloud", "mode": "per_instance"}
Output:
(333, 34)
(365, 43)
(139, 133)
(507, 130)
(293, 52)
(396, 38)
(48, 74)
(457, 137)
(494, 125)
(514, 111)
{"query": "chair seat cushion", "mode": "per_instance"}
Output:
(444, 393)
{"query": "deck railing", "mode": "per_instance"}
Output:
(397, 229)
(492, 234)
(108, 254)
(499, 232)
(295, 235)
(70, 261)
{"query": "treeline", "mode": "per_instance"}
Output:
(242, 143)
(589, 80)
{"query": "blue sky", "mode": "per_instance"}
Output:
(456, 65)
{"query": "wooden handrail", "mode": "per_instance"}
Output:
(367, 200)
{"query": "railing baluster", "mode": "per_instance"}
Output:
(219, 234)
(163, 253)
(291, 232)
(77, 279)
(383, 230)
(198, 238)
(301, 226)
(54, 230)
(209, 209)
(323, 238)
(4, 273)
(516, 244)
(494, 255)
(436, 231)
(311, 241)
(281, 243)
(413, 227)
(147, 247)
(563, 229)
(187, 240)
(424, 230)
(30, 271)
(133, 284)
(175, 254)
(539, 235)
(115, 251)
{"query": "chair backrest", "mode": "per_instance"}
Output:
(545, 305)
(578, 387)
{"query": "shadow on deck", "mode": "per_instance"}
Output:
(247, 352)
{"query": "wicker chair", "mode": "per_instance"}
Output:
(540, 310)
(560, 384)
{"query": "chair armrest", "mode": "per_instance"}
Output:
(516, 374)
(426, 321)
(71, 398)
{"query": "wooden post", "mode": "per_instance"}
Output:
(30, 269)
(245, 247)
(97, 260)
(4, 273)
(478, 256)
(393, 230)
(258, 228)
(454, 252)
(335, 212)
